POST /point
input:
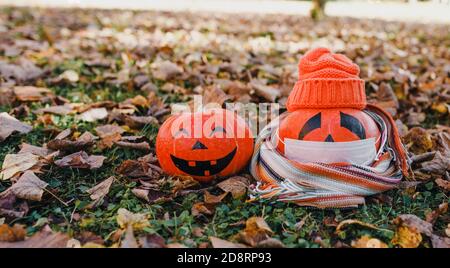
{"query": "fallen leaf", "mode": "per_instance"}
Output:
(139, 168)
(406, 237)
(36, 150)
(256, 230)
(81, 160)
(134, 142)
(412, 221)
(220, 243)
(166, 70)
(129, 241)
(29, 187)
(215, 95)
(69, 76)
(16, 163)
(267, 92)
(93, 115)
(440, 242)
(22, 71)
(202, 208)
(10, 125)
(12, 234)
(418, 140)
(29, 93)
(45, 238)
(58, 110)
(126, 218)
(99, 191)
(387, 98)
(136, 122)
(368, 242)
(438, 165)
(152, 241)
(213, 199)
(6, 96)
(10, 207)
(151, 195)
(270, 243)
(84, 142)
(236, 185)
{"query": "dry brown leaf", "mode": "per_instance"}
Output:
(81, 160)
(29, 93)
(60, 143)
(109, 134)
(220, 243)
(100, 190)
(236, 185)
(45, 238)
(151, 195)
(166, 70)
(213, 199)
(387, 98)
(36, 150)
(141, 168)
(368, 242)
(136, 122)
(270, 243)
(10, 125)
(438, 165)
(256, 230)
(134, 142)
(152, 241)
(9, 207)
(202, 208)
(29, 187)
(6, 96)
(16, 163)
(58, 110)
(440, 242)
(418, 140)
(444, 184)
(269, 93)
(214, 94)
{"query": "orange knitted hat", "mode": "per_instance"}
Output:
(327, 80)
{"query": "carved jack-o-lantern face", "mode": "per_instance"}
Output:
(328, 125)
(204, 145)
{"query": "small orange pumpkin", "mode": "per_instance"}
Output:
(329, 125)
(204, 145)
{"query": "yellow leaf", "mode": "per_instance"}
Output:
(368, 242)
(406, 237)
(126, 218)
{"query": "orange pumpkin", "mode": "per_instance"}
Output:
(329, 125)
(204, 145)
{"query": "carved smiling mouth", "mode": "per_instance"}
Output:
(203, 168)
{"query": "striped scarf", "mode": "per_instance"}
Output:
(321, 185)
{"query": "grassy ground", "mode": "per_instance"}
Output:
(173, 220)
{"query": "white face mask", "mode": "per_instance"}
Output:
(361, 152)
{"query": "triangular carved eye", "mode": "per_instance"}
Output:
(329, 138)
(312, 123)
(352, 123)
